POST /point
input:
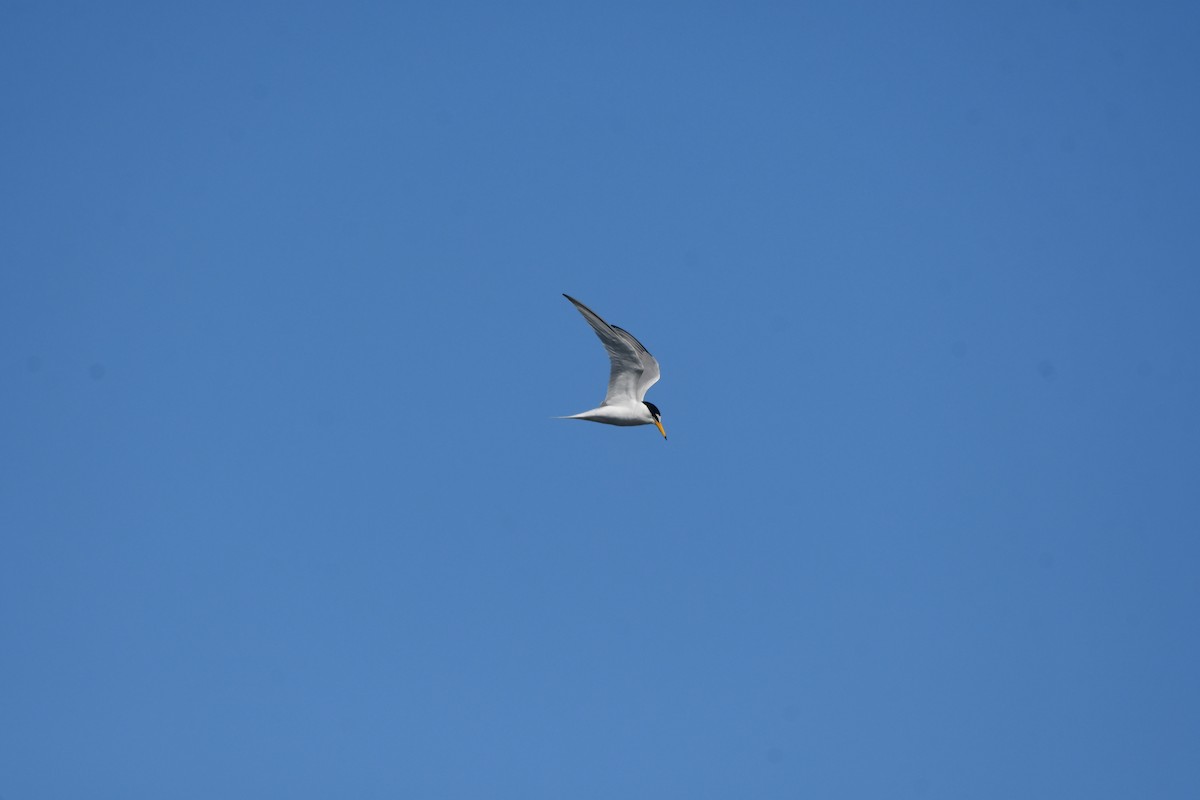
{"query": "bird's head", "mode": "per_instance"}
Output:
(654, 412)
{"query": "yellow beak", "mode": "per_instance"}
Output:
(660, 428)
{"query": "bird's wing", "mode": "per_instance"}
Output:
(650, 373)
(633, 371)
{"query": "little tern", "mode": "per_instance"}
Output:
(633, 372)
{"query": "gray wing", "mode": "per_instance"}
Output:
(650, 373)
(633, 370)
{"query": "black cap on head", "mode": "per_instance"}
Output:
(653, 409)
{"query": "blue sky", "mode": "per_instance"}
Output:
(283, 511)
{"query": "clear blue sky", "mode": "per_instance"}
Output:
(283, 511)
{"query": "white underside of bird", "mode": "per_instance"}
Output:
(616, 415)
(632, 373)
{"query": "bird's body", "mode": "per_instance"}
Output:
(617, 415)
(632, 374)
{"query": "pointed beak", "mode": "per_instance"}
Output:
(660, 428)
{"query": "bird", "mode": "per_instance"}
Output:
(633, 372)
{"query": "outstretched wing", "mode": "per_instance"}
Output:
(633, 370)
(650, 372)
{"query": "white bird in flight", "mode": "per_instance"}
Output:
(633, 372)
